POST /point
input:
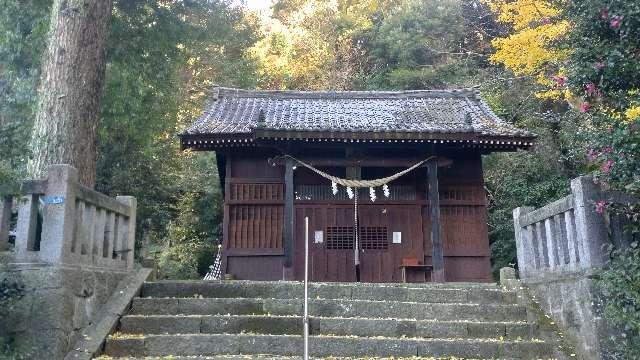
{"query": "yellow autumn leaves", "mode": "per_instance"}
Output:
(528, 50)
(632, 113)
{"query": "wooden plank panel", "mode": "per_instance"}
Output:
(465, 231)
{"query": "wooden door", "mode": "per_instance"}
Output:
(331, 238)
(380, 256)
(330, 243)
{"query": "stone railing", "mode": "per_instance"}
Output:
(560, 247)
(61, 221)
(73, 252)
(568, 234)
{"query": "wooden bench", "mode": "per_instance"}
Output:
(413, 268)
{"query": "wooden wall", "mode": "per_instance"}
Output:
(463, 210)
(254, 219)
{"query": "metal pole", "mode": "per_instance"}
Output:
(306, 288)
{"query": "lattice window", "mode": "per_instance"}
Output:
(374, 238)
(371, 238)
(339, 238)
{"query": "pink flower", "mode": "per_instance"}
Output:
(592, 154)
(599, 65)
(600, 205)
(615, 21)
(560, 80)
(607, 149)
(591, 89)
(584, 107)
(606, 167)
(604, 14)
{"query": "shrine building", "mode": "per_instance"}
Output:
(430, 224)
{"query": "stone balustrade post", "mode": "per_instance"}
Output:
(524, 243)
(129, 241)
(59, 215)
(27, 225)
(5, 221)
(508, 278)
(591, 233)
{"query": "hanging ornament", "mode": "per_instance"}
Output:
(385, 190)
(334, 188)
(350, 192)
(372, 194)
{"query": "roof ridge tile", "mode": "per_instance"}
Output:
(349, 94)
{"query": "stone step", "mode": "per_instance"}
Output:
(328, 308)
(292, 325)
(431, 293)
(323, 346)
(275, 357)
(216, 357)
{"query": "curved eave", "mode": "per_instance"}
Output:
(257, 138)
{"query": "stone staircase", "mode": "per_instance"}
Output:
(246, 319)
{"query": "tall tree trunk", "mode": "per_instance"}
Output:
(70, 93)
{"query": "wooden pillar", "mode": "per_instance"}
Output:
(226, 217)
(288, 220)
(437, 256)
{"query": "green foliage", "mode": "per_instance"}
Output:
(620, 285)
(428, 44)
(602, 71)
(604, 42)
(532, 178)
(413, 42)
(23, 26)
(188, 247)
(163, 60)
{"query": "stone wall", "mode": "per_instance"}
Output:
(73, 248)
(560, 246)
(58, 303)
(571, 299)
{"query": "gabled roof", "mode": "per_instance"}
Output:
(418, 114)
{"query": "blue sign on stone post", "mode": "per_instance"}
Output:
(53, 200)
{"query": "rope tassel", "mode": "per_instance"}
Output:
(385, 190)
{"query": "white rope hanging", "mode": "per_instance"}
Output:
(350, 183)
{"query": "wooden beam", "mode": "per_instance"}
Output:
(371, 162)
(288, 213)
(437, 255)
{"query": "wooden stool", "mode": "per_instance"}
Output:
(418, 267)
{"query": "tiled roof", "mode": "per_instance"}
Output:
(236, 111)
